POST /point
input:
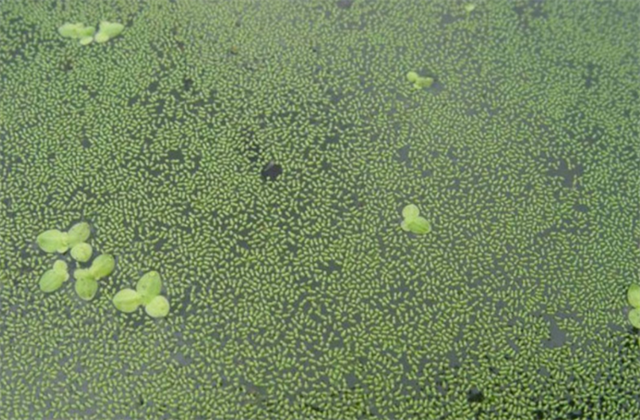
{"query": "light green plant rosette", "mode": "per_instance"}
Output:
(413, 222)
(147, 294)
(87, 278)
(107, 31)
(54, 240)
(53, 279)
(633, 296)
(87, 34)
(418, 81)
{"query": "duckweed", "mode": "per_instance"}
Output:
(81, 252)
(102, 266)
(53, 279)
(634, 317)
(86, 287)
(53, 241)
(413, 222)
(147, 294)
(633, 295)
(301, 297)
(149, 286)
(108, 30)
(127, 300)
(158, 307)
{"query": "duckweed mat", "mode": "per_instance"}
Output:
(259, 154)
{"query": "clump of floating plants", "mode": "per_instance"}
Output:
(413, 222)
(147, 294)
(75, 238)
(87, 34)
(54, 240)
(419, 81)
(633, 296)
(87, 278)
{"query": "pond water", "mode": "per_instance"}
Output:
(259, 155)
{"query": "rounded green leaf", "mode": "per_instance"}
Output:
(51, 280)
(405, 226)
(149, 286)
(410, 211)
(86, 288)
(424, 82)
(70, 30)
(412, 76)
(634, 318)
(110, 29)
(127, 300)
(102, 266)
(79, 233)
(83, 274)
(81, 252)
(101, 37)
(86, 40)
(158, 307)
(633, 295)
(419, 225)
(52, 240)
(86, 31)
(61, 267)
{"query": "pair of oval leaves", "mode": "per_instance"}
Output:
(147, 294)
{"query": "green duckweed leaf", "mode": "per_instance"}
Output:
(405, 226)
(127, 300)
(70, 30)
(101, 37)
(633, 295)
(61, 267)
(158, 307)
(108, 30)
(52, 240)
(102, 266)
(83, 274)
(419, 225)
(86, 40)
(149, 286)
(86, 288)
(410, 211)
(412, 76)
(634, 318)
(81, 252)
(79, 233)
(424, 82)
(52, 280)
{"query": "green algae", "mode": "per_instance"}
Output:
(301, 297)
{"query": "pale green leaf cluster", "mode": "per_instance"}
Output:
(413, 222)
(87, 34)
(147, 294)
(86, 279)
(418, 81)
(633, 297)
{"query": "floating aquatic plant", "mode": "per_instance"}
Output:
(81, 252)
(108, 30)
(53, 278)
(77, 31)
(54, 240)
(147, 294)
(413, 222)
(418, 81)
(87, 34)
